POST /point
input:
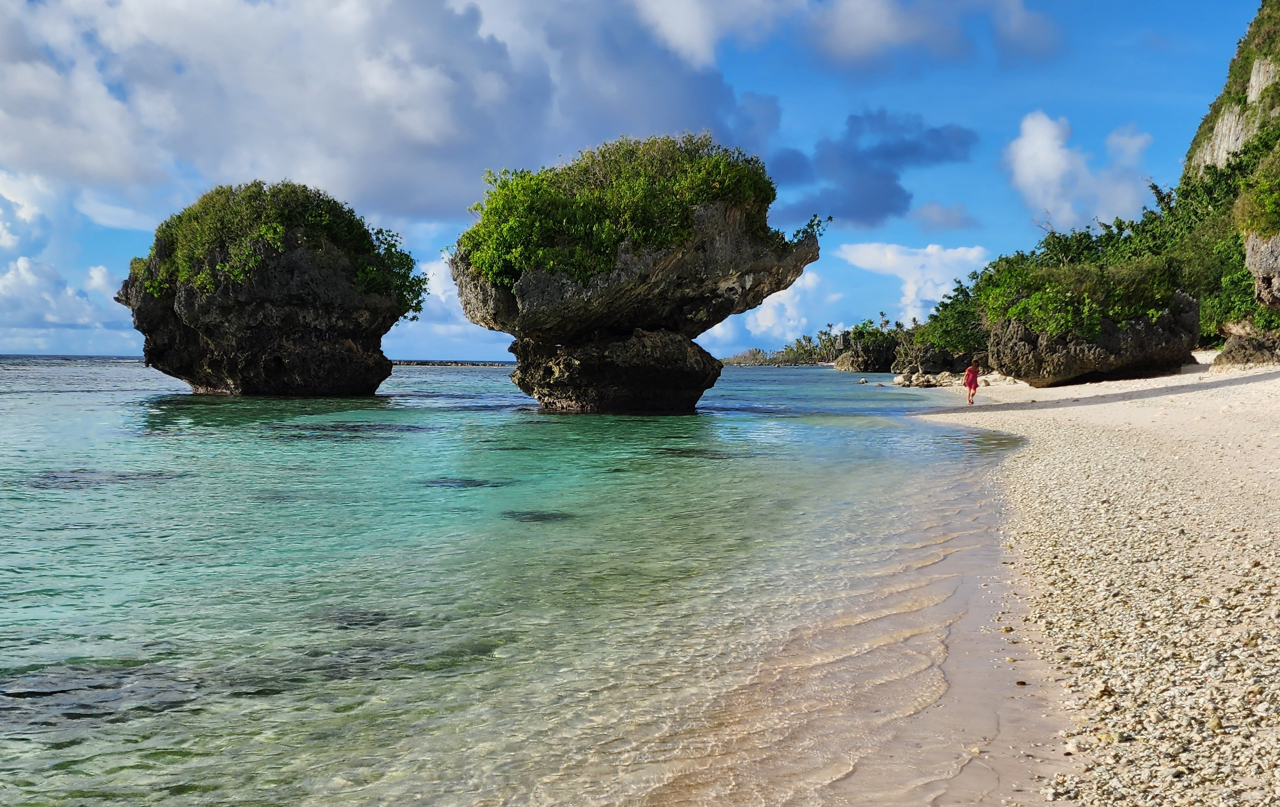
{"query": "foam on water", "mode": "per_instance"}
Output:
(444, 596)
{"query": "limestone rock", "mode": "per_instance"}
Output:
(610, 344)
(297, 327)
(1262, 257)
(1138, 347)
(1236, 123)
(649, 371)
(1244, 351)
(864, 356)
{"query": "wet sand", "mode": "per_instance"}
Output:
(1141, 549)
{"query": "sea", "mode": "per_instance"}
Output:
(444, 596)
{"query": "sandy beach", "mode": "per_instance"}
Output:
(1141, 543)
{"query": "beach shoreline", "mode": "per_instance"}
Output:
(1139, 538)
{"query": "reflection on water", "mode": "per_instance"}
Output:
(441, 595)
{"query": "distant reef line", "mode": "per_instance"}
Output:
(449, 363)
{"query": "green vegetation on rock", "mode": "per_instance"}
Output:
(231, 232)
(572, 218)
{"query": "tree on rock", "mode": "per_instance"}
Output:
(271, 290)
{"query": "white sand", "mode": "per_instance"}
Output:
(1142, 530)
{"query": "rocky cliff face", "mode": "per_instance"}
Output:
(1250, 97)
(298, 327)
(622, 341)
(1130, 348)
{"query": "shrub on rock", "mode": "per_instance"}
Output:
(271, 290)
(606, 268)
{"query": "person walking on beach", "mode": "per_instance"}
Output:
(971, 379)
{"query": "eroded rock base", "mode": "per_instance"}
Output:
(654, 372)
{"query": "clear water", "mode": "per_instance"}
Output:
(444, 596)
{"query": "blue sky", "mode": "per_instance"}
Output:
(939, 133)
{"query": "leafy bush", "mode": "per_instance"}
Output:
(231, 231)
(1126, 270)
(956, 324)
(573, 218)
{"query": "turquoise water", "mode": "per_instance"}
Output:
(444, 596)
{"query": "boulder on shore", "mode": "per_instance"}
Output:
(1243, 351)
(299, 327)
(1135, 348)
(622, 341)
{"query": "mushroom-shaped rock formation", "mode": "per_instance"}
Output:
(271, 290)
(1133, 348)
(605, 306)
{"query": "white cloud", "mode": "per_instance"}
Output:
(935, 217)
(7, 239)
(693, 28)
(29, 195)
(1056, 179)
(33, 295)
(781, 315)
(861, 30)
(113, 216)
(102, 280)
(927, 274)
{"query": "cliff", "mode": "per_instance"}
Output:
(1249, 100)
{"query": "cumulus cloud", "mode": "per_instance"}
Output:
(102, 280)
(1055, 178)
(864, 30)
(781, 315)
(927, 274)
(935, 217)
(860, 173)
(34, 295)
(399, 105)
(693, 28)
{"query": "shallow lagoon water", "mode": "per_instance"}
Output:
(444, 596)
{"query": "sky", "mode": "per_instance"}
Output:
(938, 134)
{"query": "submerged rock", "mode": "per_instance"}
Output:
(1134, 348)
(299, 327)
(622, 341)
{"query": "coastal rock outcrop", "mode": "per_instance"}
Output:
(866, 357)
(622, 341)
(1132, 348)
(271, 290)
(1243, 351)
(297, 328)
(1262, 257)
(1231, 123)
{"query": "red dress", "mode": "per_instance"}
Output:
(971, 378)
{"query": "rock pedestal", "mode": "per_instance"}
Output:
(1138, 347)
(623, 340)
(298, 327)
